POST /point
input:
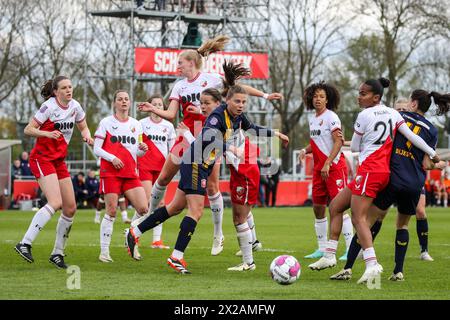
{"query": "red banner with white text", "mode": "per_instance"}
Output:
(164, 62)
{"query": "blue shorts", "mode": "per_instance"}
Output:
(406, 200)
(193, 178)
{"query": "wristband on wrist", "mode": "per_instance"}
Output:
(265, 96)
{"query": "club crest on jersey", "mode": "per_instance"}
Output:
(339, 183)
(133, 129)
(73, 113)
(203, 183)
(321, 122)
(164, 130)
(43, 109)
(204, 84)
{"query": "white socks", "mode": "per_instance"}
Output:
(156, 196)
(216, 204)
(330, 249)
(157, 231)
(40, 219)
(244, 236)
(369, 257)
(347, 230)
(106, 230)
(251, 225)
(62, 233)
(97, 215)
(321, 226)
(135, 216)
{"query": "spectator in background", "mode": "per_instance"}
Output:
(25, 165)
(270, 172)
(140, 4)
(160, 5)
(80, 190)
(274, 178)
(16, 172)
(263, 182)
(198, 6)
(92, 185)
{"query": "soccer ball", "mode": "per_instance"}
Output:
(285, 269)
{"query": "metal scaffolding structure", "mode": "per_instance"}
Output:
(246, 22)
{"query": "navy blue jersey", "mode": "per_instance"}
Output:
(406, 160)
(215, 137)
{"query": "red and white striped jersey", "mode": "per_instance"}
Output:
(121, 139)
(54, 116)
(377, 125)
(160, 138)
(321, 140)
(187, 93)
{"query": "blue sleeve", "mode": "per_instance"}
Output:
(248, 125)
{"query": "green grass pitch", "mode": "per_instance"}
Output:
(281, 231)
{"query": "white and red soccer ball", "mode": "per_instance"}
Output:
(285, 269)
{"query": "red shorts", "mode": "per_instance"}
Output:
(151, 175)
(180, 146)
(42, 168)
(244, 188)
(324, 191)
(369, 183)
(118, 185)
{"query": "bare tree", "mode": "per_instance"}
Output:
(54, 43)
(307, 34)
(12, 69)
(405, 26)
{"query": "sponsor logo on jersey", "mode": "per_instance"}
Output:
(315, 132)
(333, 123)
(190, 98)
(155, 137)
(115, 128)
(63, 125)
(56, 115)
(123, 139)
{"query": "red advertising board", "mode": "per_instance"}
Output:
(164, 62)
